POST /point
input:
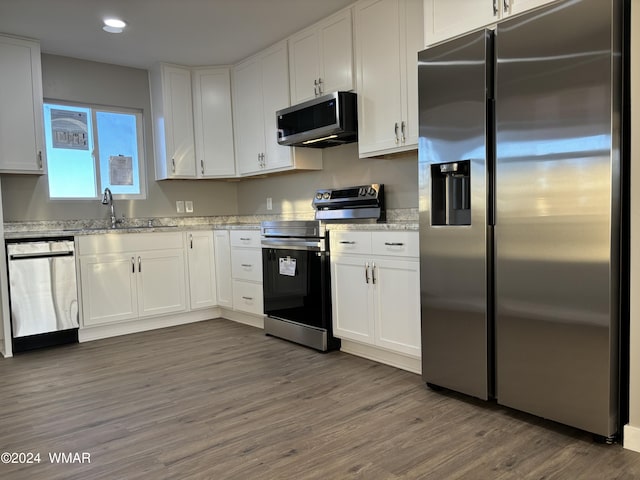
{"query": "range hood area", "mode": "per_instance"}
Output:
(325, 121)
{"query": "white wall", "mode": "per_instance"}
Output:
(293, 193)
(632, 430)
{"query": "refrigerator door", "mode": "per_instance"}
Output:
(453, 85)
(557, 220)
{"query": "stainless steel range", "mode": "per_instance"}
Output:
(295, 265)
(296, 283)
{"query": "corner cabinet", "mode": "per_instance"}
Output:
(375, 289)
(260, 87)
(21, 122)
(129, 276)
(224, 285)
(388, 36)
(443, 20)
(172, 110)
(202, 269)
(213, 124)
(321, 58)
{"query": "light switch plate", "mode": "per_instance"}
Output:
(180, 206)
(188, 206)
(269, 203)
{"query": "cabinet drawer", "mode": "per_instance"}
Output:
(247, 297)
(399, 244)
(245, 238)
(246, 264)
(350, 242)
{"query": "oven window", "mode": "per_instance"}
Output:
(296, 286)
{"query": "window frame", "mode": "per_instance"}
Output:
(142, 165)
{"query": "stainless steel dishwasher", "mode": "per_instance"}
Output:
(42, 293)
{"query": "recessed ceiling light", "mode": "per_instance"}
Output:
(113, 25)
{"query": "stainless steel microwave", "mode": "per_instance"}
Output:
(325, 121)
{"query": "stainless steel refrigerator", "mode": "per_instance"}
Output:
(519, 174)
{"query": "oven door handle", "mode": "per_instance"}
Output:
(288, 244)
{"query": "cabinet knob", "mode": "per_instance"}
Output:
(202, 166)
(505, 3)
(495, 7)
(395, 131)
(40, 164)
(173, 165)
(403, 127)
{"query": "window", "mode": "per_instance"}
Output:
(92, 148)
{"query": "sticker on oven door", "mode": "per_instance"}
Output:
(288, 266)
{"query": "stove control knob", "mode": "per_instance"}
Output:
(362, 191)
(372, 191)
(326, 195)
(319, 196)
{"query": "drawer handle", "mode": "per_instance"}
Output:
(394, 244)
(246, 265)
(245, 239)
(247, 298)
(345, 242)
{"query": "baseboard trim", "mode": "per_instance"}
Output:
(631, 438)
(245, 318)
(87, 334)
(411, 364)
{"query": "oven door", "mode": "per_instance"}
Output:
(297, 285)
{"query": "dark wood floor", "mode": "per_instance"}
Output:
(219, 400)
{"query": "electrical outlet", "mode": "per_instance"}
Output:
(188, 206)
(269, 203)
(180, 206)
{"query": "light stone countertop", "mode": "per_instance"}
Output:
(401, 219)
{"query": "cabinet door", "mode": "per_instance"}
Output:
(178, 121)
(304, 63)
(109, 290)
(351, 294)
(222, 249)
(275, 88)
(202, 270)
(213, 125)
(336, 54)
(248, 119)
(397, 305)
(444, 19)
(378, 75)
(161, 282)
(411, 14)
(21, 122)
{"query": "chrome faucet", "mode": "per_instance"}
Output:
(107, 199)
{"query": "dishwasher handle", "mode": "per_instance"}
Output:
(27, 256)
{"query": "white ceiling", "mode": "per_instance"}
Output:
(186, 32)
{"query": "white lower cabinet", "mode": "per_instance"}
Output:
(246, 271)
(375, 289)
(202, 269)
(130, 276)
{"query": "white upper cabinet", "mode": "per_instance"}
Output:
(260, 86)
(171, 104)
(21, 122)
(388, 35)
(213, 125)
(444, 19)
(321, 58)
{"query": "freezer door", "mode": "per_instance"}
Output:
(557, 220)
(454, 83)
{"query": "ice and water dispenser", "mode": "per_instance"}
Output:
(450, 193)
